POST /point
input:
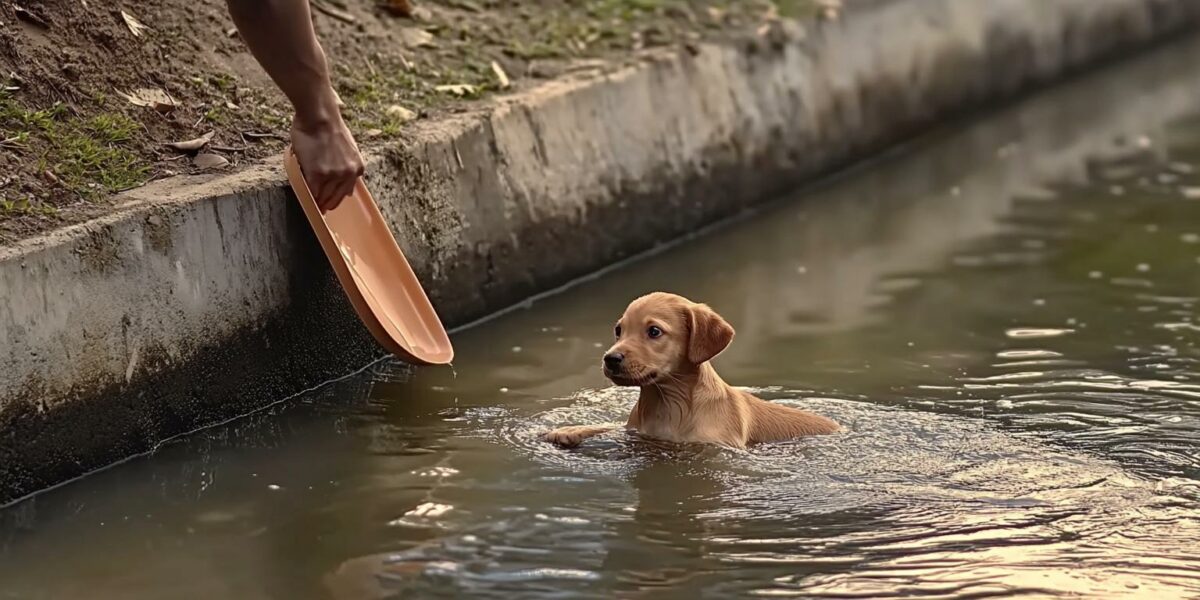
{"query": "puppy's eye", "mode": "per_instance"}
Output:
(617, 331)
(654, 332)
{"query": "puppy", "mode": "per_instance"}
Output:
(664, 345)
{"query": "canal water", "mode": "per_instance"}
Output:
(1004, 317)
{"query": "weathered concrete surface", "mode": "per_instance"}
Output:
(202, 299)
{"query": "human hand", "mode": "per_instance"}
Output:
(328, 157)
(280, 35)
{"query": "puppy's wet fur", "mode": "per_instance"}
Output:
(664, 345)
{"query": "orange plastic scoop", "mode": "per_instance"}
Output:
(371, 268)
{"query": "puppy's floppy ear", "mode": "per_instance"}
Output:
(709, 334)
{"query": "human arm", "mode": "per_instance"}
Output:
(280, 35)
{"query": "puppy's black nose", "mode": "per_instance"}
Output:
(612, 361)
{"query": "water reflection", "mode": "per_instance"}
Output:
(907, 501)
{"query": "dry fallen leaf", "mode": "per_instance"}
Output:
(208, 161)
(458, 89)
(400, 113)
(333, 11)
(830, 9)
(1191, 193)
(467, 5)
(151, 98)
(420, 13)
(136, 27)
(29, 17)
(402, 8)
(192, 145)
(414, 37)
(501, 76)
(259, 135)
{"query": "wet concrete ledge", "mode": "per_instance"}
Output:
(202, 299)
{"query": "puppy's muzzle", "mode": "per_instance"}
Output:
(614, 362)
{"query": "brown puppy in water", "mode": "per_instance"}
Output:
(664, 345)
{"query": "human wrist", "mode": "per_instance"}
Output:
(319, 112)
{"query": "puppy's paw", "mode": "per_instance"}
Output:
(568, 437)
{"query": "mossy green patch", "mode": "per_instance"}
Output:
(90, 157)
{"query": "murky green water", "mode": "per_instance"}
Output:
(1005, 319)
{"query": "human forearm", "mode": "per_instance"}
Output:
(280, 35)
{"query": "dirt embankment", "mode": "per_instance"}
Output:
(93, 94)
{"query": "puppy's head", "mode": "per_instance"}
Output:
(662, 335)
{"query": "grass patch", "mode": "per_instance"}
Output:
(370, 92)
(796, 9)
(90, 157)
(627, 10)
